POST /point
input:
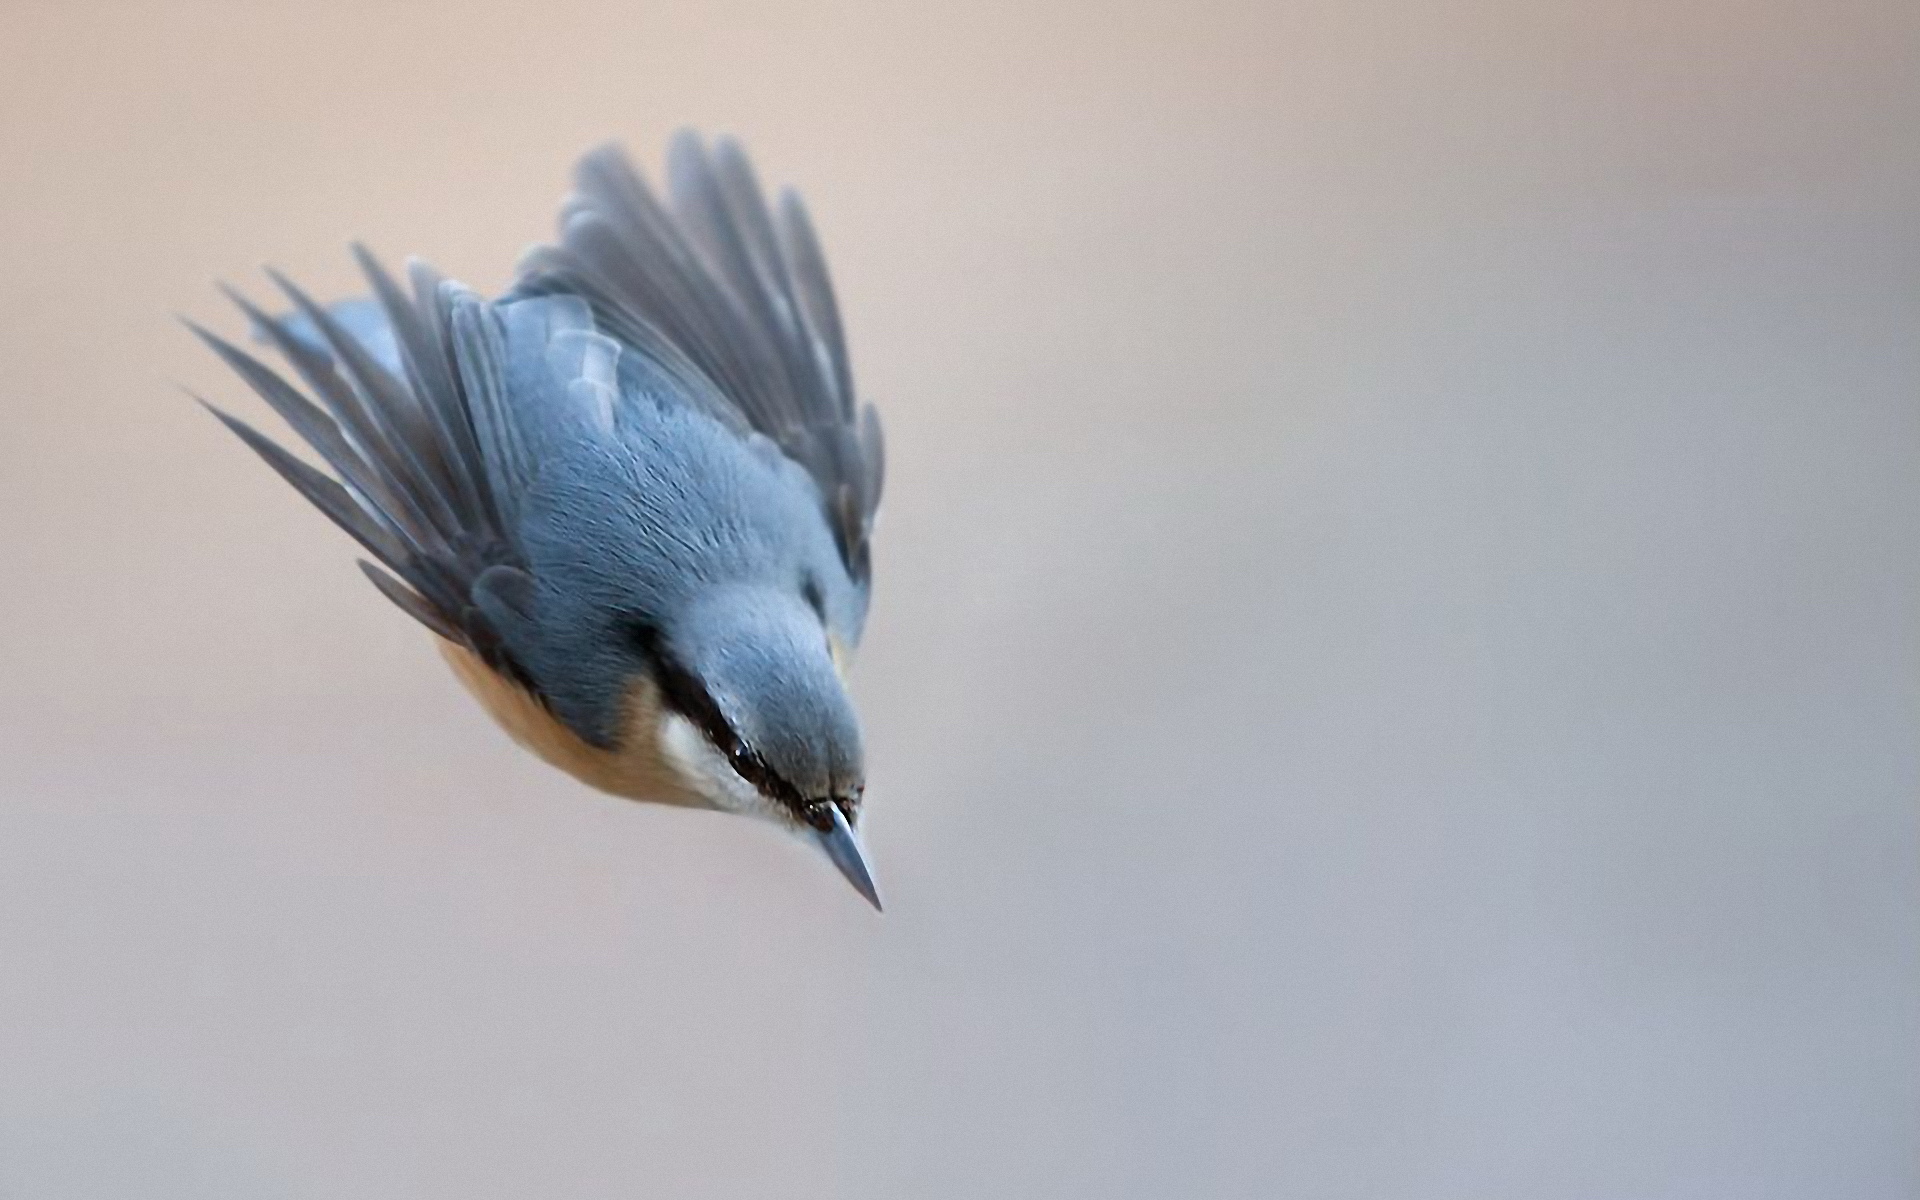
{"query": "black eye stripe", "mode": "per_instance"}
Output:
(682, 692)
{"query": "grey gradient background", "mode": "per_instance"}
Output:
(1396, 669)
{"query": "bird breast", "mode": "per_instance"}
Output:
(638, 769)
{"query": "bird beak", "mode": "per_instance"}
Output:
(843, 847)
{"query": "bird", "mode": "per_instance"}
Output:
(632, 496)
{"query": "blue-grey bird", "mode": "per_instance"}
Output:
(632, 496)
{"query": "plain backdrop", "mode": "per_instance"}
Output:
(1395, 668)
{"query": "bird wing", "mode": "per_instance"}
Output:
(732, 298)
(433, 409)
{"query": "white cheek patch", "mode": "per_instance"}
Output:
(708, 772)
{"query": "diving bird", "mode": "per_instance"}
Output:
(632, 496)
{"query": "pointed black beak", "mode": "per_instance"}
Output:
(842, 845)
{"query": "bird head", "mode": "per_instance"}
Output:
(754, 715)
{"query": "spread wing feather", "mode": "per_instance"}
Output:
(732, 299)
(427, 460)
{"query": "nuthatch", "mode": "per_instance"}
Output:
(632, 495)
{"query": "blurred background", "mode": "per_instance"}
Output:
(1395, 668)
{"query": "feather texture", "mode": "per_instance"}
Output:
(734, 301)
(408, 411)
